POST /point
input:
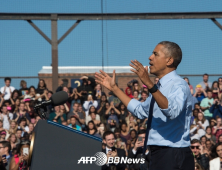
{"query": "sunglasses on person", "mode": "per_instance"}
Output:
(193, 147)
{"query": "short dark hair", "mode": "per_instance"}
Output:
(108, 133)
(195, 141)
(75, 103)
(19, 130)
(72, 117)
(209, 91)
(173, 50)
(133, 130)
(142, 131)
(7, 78)
(117, 130)
(206, 74)
(144, 92)
(6, 144)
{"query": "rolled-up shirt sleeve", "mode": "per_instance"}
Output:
(138, 109)
(176, 102)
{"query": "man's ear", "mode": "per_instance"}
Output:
(170, 61)
(104, 141)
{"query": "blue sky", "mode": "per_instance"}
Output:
(23, 51)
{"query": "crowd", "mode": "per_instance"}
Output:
(90, 110)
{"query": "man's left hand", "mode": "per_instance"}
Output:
(142, 72)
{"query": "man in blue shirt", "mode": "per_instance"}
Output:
(171, 101)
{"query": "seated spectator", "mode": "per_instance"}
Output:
(137, 151)
(133, 135)
(132, 123)
(98, 92)
(93, 116)
(14, 96)
(215, 164)
(193, 132)
(136, 87)
(29, 129)
(213, 123)
(205, 83)
(217, 130)
(12, 139)
(7, 89)
(5, 149)
(136, 95)
(123, 113)
(206, 104)
(202, 123)
(216, 109)
(112, 120)
(41, 87)
(116, 101)
(62, 83)
(85, 88)
(104, 105)
(23, 90)
(199, 155)
(16, 106)
(220, 139)
(101, 129)
(22, 113)
(75, 98)
(209, 135)
(109, 140)
(117, 133)
(200, 93)
(5, 116)
(3, 135)
(125, 132)
(128, 92)
(92, 129)
(19, 134)
(90, 102)
(13, 127)
(20, 159)
(215, 90)
(57, 115)
(23, 126)
(144, 96)
(78, 115)
(73, 124)
(121, 145)
(190, 86)
(194, 115)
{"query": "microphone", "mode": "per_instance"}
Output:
(56, 99)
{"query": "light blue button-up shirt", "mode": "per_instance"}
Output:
(171, 126)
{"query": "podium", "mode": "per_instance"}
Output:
(57, 147)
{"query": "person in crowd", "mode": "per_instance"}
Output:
(220, 139)
(217, 130)
(206, 103)
(136, 95)
(23, 90)
(12, 139)
(112, 118)
(93, 116)
(23, 126)
(114, 99)
(3, 135)
(14, 96)
(7, 89)
(136, 87)
(205, 83)
(5, 149)
(193, 132)
(133, 135)
(5, 116)
(73, 124)
(92, 130)
(22, 113)
(101, 129)
(80, 120)
(216, 109)
(98, 92)
(20, 159)
(209, 135)
(132, 123)
(137, 150)
(1, 125)
(190, 86)
(215, 164)
(200, 93)
(215, 90)
(90, 102)
(123, 113)
(202, 123)
(75, 97)
(62, 83)
(86, 88)
(16, 106)
(194, 115)
(144, 96)
(128, 92)
(104, 105)
(199, 155)
(109, 140)
(29, 129)
(13, 127)
(125, 132)
(57, 115)
(41, 87)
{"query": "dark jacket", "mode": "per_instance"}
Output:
(216, 110)
(139, 155)
(203, 160)
(120, 153)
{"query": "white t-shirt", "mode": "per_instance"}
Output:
(7, 91)
(6, 124)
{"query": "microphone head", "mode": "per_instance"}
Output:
(59, 98)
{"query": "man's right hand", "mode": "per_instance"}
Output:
(138, 144)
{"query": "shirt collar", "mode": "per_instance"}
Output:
(107, 149)
(167, 78)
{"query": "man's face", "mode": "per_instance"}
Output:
(209, 95)
(75, 107)
(22, 107)
(208, 144)
(19, 134)
(144, 96)
(205, 78)
(4, 109)
(195, 147)
(219, 151)
(158, 60)
(109, 140)
(123, 127)
(219, 121)
(117, 134)
(7, 83)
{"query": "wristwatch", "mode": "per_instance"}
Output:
(153, 89)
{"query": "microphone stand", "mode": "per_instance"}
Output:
(41, 112)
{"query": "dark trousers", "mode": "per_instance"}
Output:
(167, 158)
